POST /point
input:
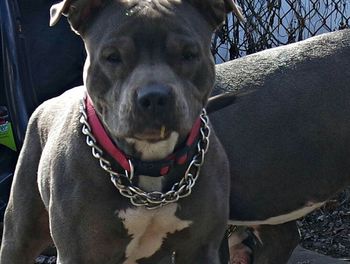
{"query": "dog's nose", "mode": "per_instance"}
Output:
(154, 98)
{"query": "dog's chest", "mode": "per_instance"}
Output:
(148, 229)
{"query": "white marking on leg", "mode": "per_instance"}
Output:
(239, 253)
(257, 234)
(237, 237)
(148, 229)
(281, 219)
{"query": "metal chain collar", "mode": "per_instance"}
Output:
(123, 182)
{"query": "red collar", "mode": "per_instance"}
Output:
(153, 168)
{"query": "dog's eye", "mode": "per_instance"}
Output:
(114, 58)
(189, 55)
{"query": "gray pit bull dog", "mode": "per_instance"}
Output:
(287, 136)
(148, 75)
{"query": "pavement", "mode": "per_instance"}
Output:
(303, 256)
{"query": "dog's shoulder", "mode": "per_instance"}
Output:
(60, 113)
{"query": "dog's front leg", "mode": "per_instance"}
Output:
(209, 255)
(26, 231)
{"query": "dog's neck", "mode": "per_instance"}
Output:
(155, 156)
(147, 151)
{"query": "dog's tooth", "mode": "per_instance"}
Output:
(162, 132)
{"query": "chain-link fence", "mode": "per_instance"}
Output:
(271, 23)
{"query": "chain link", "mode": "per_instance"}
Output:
(123, 182)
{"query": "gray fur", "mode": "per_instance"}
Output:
(292, 132)
(60, 191)
(287, 135)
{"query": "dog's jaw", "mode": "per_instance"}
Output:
(153, 151)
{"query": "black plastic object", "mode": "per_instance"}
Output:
(8, 159)
(15, 93)
(17, 88)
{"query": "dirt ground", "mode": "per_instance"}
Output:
(327, 230)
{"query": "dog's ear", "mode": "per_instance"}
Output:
(77, 12)
(215, 11)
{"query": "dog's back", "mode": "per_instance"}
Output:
(288, 138)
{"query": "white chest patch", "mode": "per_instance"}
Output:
(281, 219)
(148, 229)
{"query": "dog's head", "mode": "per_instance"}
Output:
(149, 67)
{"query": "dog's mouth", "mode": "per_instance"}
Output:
(153, 135)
